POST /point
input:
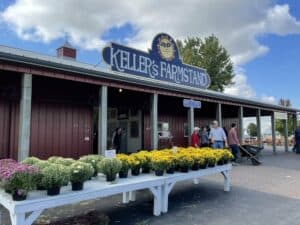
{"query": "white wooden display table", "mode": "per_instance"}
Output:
(26, 212)
(38, 201)
(171, 180)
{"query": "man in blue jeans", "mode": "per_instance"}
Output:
(217, 136)
(297, 139)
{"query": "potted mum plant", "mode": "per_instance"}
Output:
(211, 160)
(127, 162)
(171, 164)
(184, 161)
(199, 161)
(79, 173)
(19, 179)
(135, 165)
(110, 167)
(93, 160)
(159, 164)
(145, 160)
(54, 176)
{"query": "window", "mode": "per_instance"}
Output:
(134, 129)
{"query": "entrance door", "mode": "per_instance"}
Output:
(131, 128)
(135, 131)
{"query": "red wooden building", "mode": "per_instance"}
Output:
(55, 105)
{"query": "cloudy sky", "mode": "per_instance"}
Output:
(262, 36)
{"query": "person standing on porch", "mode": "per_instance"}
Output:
(297, 139)
(117, 139)
(233, 142)
(204, 137)
(217, 136)
(195, 140)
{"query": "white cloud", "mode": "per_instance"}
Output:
(268, 99)
(236, 22)
(240, 87)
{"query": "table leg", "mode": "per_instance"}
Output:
(226, 176)
(132, 196)
(125, 197)
(166, 189)
(196, 181)
(20, 218)
(157, 193)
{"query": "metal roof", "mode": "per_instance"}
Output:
(32, 58)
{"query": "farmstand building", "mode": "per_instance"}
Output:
(59, 106)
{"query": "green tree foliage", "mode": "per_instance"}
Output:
(252, 130)
(210, 55)
(280, 123)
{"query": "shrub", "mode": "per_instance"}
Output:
(31, 160)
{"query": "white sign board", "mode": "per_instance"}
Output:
(110, 153)
(280, 116)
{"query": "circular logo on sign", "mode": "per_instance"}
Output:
(166, 48)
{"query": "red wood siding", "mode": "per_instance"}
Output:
(61, 118)
(9, 114)
(60, 129)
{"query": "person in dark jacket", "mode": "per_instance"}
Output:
(204, 137)
(116, 139)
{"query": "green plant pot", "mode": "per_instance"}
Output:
(195, 166)
(110, 177)
(159, 173)
(135, 171)
(123, 174)
(17, 197)
(53, 191)
(171, 170)
(77, 186)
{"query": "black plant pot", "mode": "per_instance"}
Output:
(226, 161)
(159, 172)
(203, 166)
(211, 165)
(184, 169)
(220, 162)
(17, 197)
(8, 191)
(123, 174)
(53, 191)
(40, 187)
(177, 168)
(171, 170)
(77, 186)
(146, 169)
(110, 177)
(135, 171)
(195, 166)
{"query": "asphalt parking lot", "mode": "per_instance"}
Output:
(261, 195)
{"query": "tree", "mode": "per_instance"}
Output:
(210, 55)
(252, 130)
(280, 123)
